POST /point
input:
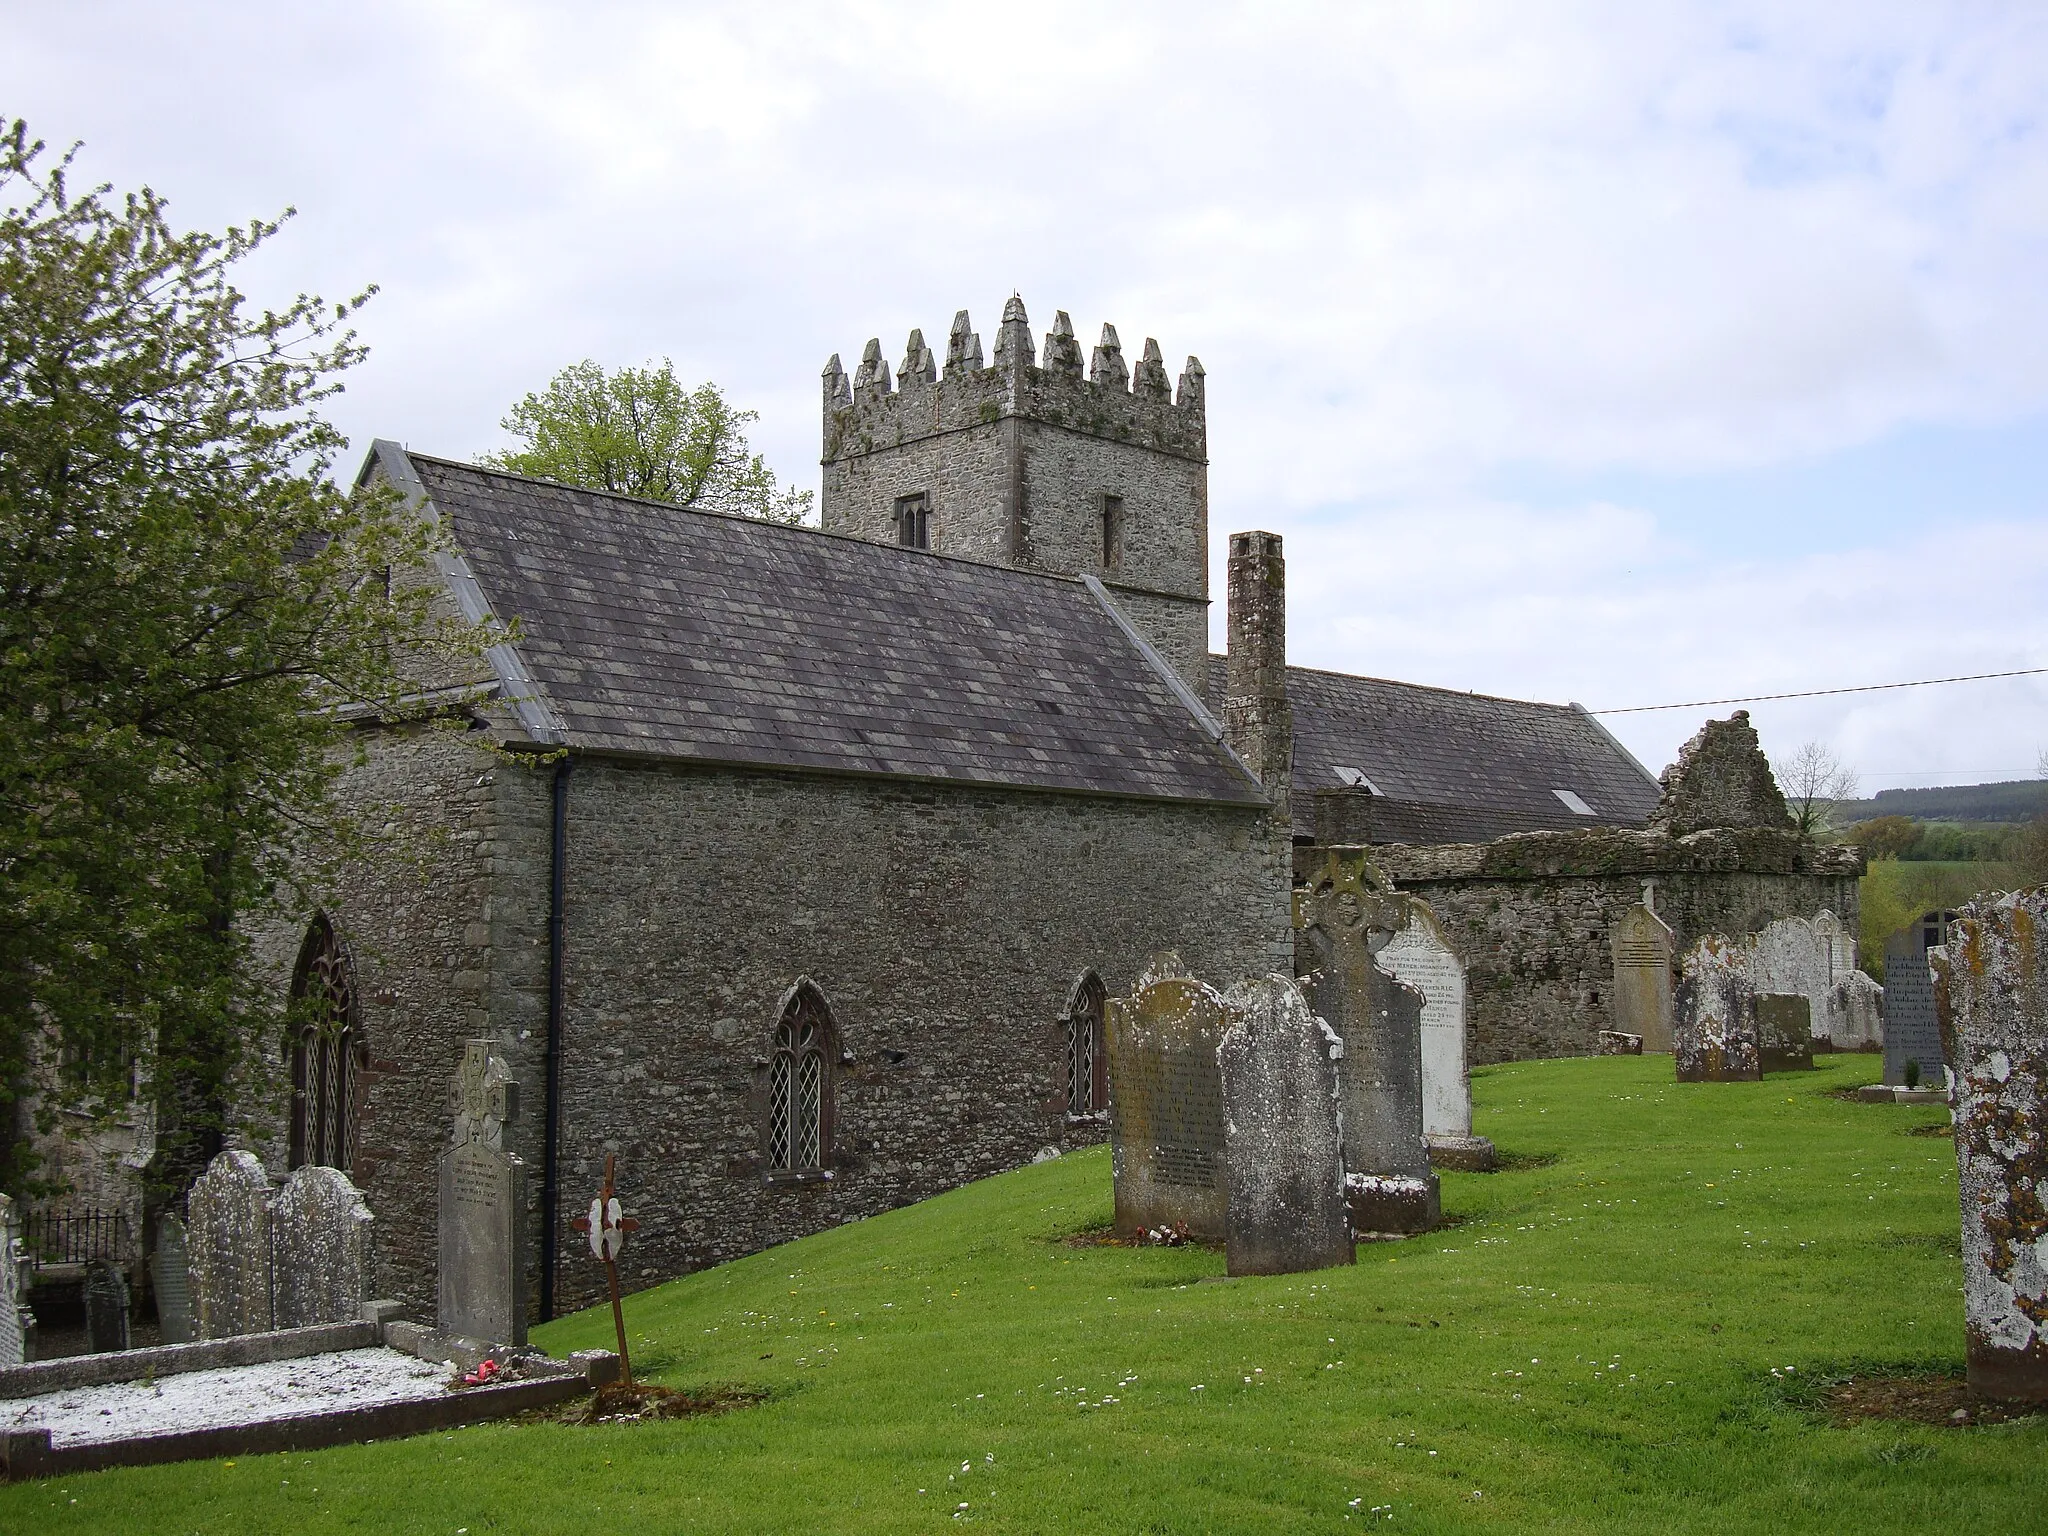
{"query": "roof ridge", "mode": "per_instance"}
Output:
(1454, 693)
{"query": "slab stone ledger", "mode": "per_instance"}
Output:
(1642, 947)
(1342, 916)
(1420, 954)
(1714, 1038)
(2000, 1012)
(1912, 1029)
(1166, 1135)
(482, 1291)
(170, 1277)
(1283, 1132)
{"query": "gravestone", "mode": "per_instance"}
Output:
(1166, 1104)
(13, 1294)
(320, 1249)
(1642, 946)
(482, 1293)
(2000, 1011)
(1283, 1134)
(1614, 1043)
(227, 1225)
(1912, 1032)
(1713, 1035)
(170, 1276)
(1421, 956)
(1343, 915)
(1792, 956)
(1856, 1013)
(1784, 1032)
(1838, 942)
(106, 1307)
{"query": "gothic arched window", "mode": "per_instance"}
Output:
(800, 1083)
(327, 1052)
(1087, 1059)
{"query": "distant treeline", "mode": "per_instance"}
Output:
(1901, 837)
(2017, 801)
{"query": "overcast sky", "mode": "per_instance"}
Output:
(1626, 353)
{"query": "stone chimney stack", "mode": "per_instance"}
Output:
(1256, 717)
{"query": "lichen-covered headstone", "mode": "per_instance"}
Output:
(1283, 1134)
(1856, 1013)
(320, 1248)
(1792, 957)
(1912, 1030)
(482, 1285)
(1714, 1036)
(227, 1224)
(1784, 1032)
(1166, 1103)
(1345, 913)
(1641, 946)
(13, 1332)
(1421, 955)
(170, 1276)
(106, 1307)
(1999, 999)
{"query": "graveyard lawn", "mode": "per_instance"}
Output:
(1641, 1335)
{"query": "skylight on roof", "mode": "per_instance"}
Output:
(1357, 780)
(1573, 803)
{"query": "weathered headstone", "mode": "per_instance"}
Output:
(1166, 1104)
(1912, 1032)
(106, 1307)
(1793, 957)
(227, 1224)
(1614, 1043)
(1283, 1134)
(1344, 914)
(1999, 997)
(1421, 956)
(170, 1276)
(1642, 947)
(1784, 1032)
(13, 1295)
(320, 1249)
(1838, 942)
(1856, 1013)
(482, 1291)
(1714, 1016)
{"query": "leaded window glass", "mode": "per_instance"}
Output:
(800, 1085)
(327, 1053)
(1087, 1063)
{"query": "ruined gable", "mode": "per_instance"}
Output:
(1721, 779)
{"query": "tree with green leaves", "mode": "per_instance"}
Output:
(641, 432)
(189, 599)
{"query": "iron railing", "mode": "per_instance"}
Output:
(75, 1236)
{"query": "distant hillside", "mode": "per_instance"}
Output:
(2019, 800)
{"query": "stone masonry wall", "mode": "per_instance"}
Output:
(1532, 928)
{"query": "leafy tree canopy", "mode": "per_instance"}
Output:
(640, 432)
(185, 597)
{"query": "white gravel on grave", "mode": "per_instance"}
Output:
(239, 1394)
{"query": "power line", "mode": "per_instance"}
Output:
(1815, 693)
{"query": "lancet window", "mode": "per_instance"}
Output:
(800, 1085)
(327, 1051)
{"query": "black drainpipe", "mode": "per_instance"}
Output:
(550, 1193)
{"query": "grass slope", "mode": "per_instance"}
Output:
(1591, 1349)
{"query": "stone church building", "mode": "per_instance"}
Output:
(794, 865)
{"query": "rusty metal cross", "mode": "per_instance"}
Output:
(607, 1226)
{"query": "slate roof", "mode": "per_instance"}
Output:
(655, 630)
(1454, 767)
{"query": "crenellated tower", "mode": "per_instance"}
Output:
(1029, 460)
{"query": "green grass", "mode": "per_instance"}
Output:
(1691, 1238)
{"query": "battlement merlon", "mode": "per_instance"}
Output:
(881, 408)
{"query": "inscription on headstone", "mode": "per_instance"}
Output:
(1344, 915)
(1999, 1007)
(1284, 1137)
(13, 1296)
(1642, 946)
(1784, 1030)
(106, 1307)
(1714, 1038)
(320, 1260)
(482, 1291)
(170, 1276)
(227, 1224)
(1166, 1103)
(1912, 1032)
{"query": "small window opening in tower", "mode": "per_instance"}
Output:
(1112, 532)
(914, 521)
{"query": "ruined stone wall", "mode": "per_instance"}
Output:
(1530, 915)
